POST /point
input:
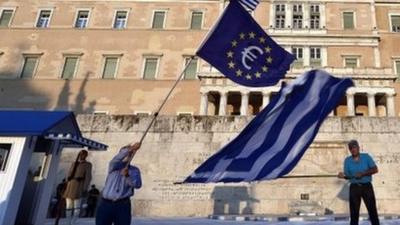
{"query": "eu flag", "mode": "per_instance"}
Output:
(240, 49)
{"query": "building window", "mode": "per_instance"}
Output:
(397, 68)
(120, 20)
(30, 66)
(4, 153)
(351, 62)
(5, 18)
(158, 19)
(44, 18)
(197, 20)
(297, 16)
(298, 53)
(395, 22)
(82, 19)
(315, 56)
(142, 113)
(100, 113)
(348, 20)
(191, 69)
(110, 67)
(314, 17)
(150, 68)
(280, 16)
(70, 67)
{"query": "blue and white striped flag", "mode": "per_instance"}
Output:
(250, 4)
(271, 145)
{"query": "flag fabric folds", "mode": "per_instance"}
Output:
(250, 4)
(271, 145)
(240, 49)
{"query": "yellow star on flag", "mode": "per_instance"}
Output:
(234, 43)
(229, 54)
(264, 69)
(231, 65)
(267, 49)
(262, 40)
(239, 73)
(269, 59)
(258, 74)
(252, 35)
(242, 36)
(248, 77)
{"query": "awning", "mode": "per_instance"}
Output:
(76, 141)
(55, 125)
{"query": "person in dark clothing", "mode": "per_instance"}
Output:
(93, 196)
(61, 188)
(60, 203)
(358, 169)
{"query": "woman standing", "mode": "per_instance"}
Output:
(79, 177)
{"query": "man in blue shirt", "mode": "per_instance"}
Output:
(358, 169)
(115, 204)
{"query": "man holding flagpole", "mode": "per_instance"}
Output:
(122, 179)
(358, 169)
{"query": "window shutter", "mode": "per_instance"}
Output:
(110, 67)
(150, 68)
(348, 20)
(196, 20)
(5, 18)
(69, 67)
(29, 67)
(158, 21)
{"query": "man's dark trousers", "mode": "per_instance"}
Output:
(365, 192)
(116, 213)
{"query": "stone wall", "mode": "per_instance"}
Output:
(175, 146)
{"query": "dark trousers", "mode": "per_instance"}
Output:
(116, 213)
(366, 193)
(91, 208)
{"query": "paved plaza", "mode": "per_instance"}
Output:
(205, 221)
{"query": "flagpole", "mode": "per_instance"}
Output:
(161, 106)
(291, 176)
(309, 176)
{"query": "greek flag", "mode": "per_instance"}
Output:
(271, 145)
(250, 4)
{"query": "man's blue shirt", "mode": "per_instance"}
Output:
(118, 186)
(352, 167)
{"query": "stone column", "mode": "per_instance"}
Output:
(288, 15)
(306, 15)
(324, 56)
(222, 103)
(371, 104)
(244, 105)
(390, 104)
(322, 21)
(266, 97)
(306, 56)
(350, 104)
(204, 103)
(377, 56)
(272, 16)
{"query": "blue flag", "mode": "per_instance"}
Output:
(240, 49)
(274, 141)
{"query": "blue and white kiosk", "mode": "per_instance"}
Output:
(33, 137)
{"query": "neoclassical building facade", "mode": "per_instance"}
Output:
(121, 57)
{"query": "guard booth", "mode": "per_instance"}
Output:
(33, 139)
